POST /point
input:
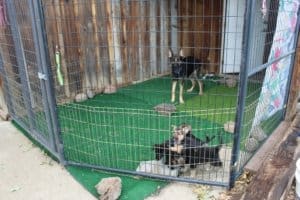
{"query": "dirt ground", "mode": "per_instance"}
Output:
(29, 174)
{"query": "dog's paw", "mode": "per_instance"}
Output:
(190, 90)
(177, 148)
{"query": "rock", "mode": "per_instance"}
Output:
(258, 134)
(165, 109)
(231, 82)
(90, 94)
(156, 167)
(109, 188)
(251, 144)
(229, 126)
(110, 89)
(80, 97)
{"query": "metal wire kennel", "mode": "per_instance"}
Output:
(84, 78)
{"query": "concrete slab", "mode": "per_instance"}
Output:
(27, 173)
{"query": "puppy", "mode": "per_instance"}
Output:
(173, 150)
(195, 151)
(183, 68)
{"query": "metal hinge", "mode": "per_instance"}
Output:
(42, 76)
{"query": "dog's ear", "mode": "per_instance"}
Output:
(170, 53)
(174, 128)
(186, 128)
(181, 52)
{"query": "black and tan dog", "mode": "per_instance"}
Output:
(194, 150)
(183, 68)
(186, 149)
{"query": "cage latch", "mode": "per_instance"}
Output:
(42, 76)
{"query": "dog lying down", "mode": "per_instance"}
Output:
(186, 149)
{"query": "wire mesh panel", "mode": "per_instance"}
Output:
(272, 38)
(114, 69)
(20, 68)
(167, 89)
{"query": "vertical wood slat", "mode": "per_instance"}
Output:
(124, 42)
(110, 40)
(173, 26)
(146, 39)
(294, 89)
(163, 37)
(99, 85)
(61, 44)
(153, 36)
(116, 20)
(103, 44)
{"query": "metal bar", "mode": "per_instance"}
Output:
(20, 60)
(287, 94)
(242, 91)
(49, 84)
(157, 176)
(39, 65)
(264, 66)
(7, 93)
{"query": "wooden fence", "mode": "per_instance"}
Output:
(117, 42)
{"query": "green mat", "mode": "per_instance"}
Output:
(119, 130)
(133, 188)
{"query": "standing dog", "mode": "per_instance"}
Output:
(183, 68)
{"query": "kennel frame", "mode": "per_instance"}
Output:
(54, 144)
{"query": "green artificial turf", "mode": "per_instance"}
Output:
(133, 188)
(119, 130)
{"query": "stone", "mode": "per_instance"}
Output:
(231, 82)
(156, 167)
(229, 126)
(80, 97)
(110, 89)
(258, 133)
(165, 109)
(90, 94)
(251, 144)
(109, 188)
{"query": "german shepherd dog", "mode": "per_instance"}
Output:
(185, 148)
(183, 68)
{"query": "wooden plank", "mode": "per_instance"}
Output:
(124, 42)
(216, 36)
(98, 64)
(88, 57)
(174, 26)
(273, 176)
(294, 89)
(111, 50)
(3, 105)
(164, 49)
(153, 37)
(116, 13)
(103, 18)
(186, 25)
(146, 40)
(133, 40)
(199, 28)
(256, 161)
(61, 45)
